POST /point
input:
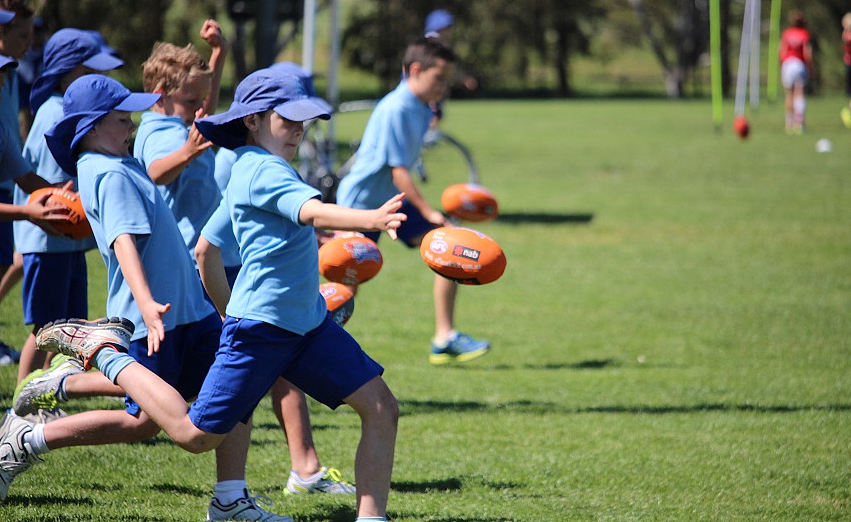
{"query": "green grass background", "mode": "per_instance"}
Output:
(682, 356)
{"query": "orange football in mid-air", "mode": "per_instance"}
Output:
(469, 202)
(463, 255)
(350, 260)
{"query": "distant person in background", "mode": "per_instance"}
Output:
(796, 67)
(439, 24)
(30, 68)
(16, 37)
(846, 57)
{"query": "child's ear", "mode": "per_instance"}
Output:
(250, 122)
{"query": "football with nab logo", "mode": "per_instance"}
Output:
(350, 260)
(463, 255)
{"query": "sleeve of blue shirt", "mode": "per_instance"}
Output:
(122, 208)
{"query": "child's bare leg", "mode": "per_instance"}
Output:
(290, 406)
(232, 453)
(32, 359)
(91, 384)
(379, 413)
(445, 294)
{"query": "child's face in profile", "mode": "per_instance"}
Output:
(112, 135)
(429, 85)
(185, 102)
(277, 134)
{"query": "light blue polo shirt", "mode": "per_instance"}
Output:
(120, 198)
(225, 158)
(12, 163)
(29, 238)
(393, 138)
(279, 280)
(194, 194)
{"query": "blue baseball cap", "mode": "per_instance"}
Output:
(259, 92)
(64, 51)
(87, 101)
(6, 16)
(437, 20)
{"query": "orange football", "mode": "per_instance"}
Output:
(77, 225)
(469, 202)
(463, 255)
(339, 300)
(741, 126)
(350, 260)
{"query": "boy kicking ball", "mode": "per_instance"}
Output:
(277, 323)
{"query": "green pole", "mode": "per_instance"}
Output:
(773, 44)
(715, 53)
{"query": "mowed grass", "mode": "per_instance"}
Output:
(671, 337)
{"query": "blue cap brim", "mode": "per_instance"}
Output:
(6, 16)
(103, 62)
(6, 61)
(138, 101)
(305, 109)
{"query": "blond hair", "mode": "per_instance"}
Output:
(846, 22)
(170, 66)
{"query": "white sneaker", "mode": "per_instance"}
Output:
(38, 389)
(82, 339)
(331, 481)
(15, 456)
(245, 508)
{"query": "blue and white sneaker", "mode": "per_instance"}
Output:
(459, 348)
(328, 480)
(245, 508)
(8, 355)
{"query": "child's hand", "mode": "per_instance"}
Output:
(44, 216)
(152, 314)
(195, 144)
(435, 218)
(212, 34)
(388, 218)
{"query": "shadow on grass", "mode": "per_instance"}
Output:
(414, 407)
(522, 218)
(181, 490)
(591, 364)
(333, 513)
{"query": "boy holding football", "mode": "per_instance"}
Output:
(390, 146)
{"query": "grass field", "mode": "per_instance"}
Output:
(671, 338)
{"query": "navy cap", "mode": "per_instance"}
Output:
(259, 92)
(437, 20)
(87, 101)
(64, 51)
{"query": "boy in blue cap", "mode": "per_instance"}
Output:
(391, 145)
(151, 282)
(277, 322)
(55, 283)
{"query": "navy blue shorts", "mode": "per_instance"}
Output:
(326, 363)
(55, 286)
(412, 229)
(7, 237)
(184, 358)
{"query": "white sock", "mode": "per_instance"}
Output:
(309, 480)
(229, 491)
(370, 519)
(35, 439)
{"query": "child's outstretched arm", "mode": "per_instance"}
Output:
(212, 34)
(166, 169)
(326, 215)
(405, 183)
(134, 274)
